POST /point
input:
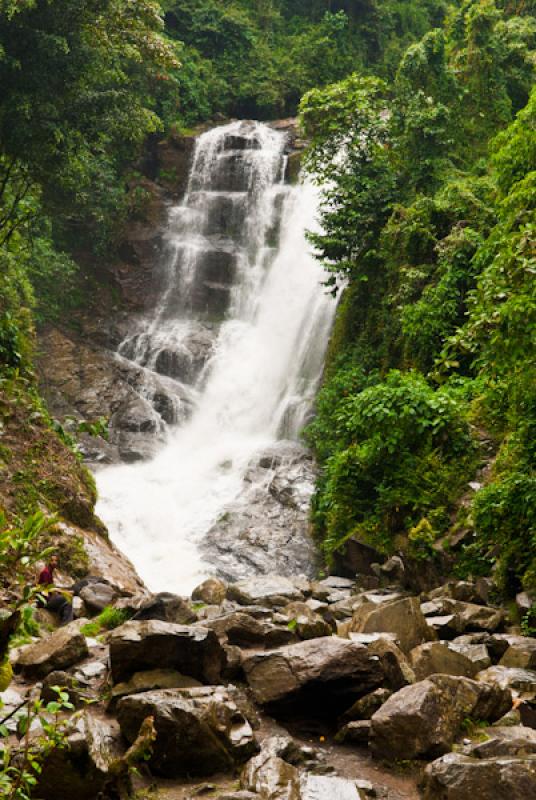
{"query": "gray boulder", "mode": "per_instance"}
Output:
(521, 653)
(477, 653)
(434, 657)
(153, 644)
(63, 648)
(243, 630)
(264, 590)
(395, 666)
(299, 617)
(82, 769)
(330, 671)
(151, 680)
(198, 731)
(356, 732)
(519, 680)
(511, 740)
(459, 777)
(423, 720)
(402, 617)
(167, 607)
(97, 596)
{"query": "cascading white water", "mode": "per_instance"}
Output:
(237, 248)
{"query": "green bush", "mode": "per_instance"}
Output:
(403, 451)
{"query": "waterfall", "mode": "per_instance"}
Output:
(239, 335)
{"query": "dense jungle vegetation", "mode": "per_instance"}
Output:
(421, 122)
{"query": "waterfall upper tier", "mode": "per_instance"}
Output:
(230, 358)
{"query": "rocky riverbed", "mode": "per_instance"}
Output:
(286, 688)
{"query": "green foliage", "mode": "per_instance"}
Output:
(401, 450)
(107, 620)
(429, 216)
(256, 59)
(21, 766)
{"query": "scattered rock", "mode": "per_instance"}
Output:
(212, 592)
(304, 621)
(366, 706)
(82, 769)
(477, 653)
(356, 732)
(459, 777)
(152, 644)
(62, 649)
(395, 666)
(199, 731)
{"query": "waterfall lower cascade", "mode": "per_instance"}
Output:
(237, 342)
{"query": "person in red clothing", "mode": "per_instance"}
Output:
(55, 601)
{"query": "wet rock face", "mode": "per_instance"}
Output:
(199, 731)
(459, 777)
(327, 672)
(267, 529)
(138, 646)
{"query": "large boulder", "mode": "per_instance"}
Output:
(328, 672)
(395, 666)
(401, 616)
(477, 653)
(511, 740)
(433, 657)
(198, 731)
(167, 607)
(152, 644)
(521, 653)
(459, 777)
(97, 596)
(423, 720)
(299, 617)
(519, 680)
(60, 650)
(149, 681)
(264, 590)
(243, 630)
(82, 769)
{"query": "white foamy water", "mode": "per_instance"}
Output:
(237, 240)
